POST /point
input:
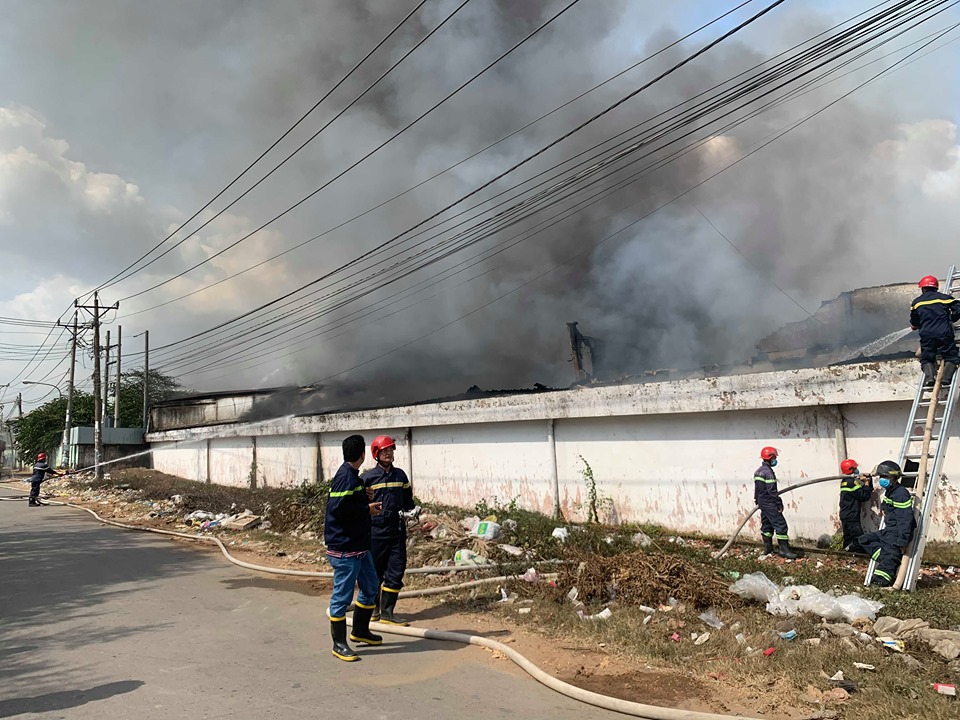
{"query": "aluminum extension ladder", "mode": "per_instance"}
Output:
(926, 476)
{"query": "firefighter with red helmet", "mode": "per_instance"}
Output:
(40, 472)
(933, 314)
(855, 489)
(388, 535)
(772, 523)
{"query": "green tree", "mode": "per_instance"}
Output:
(41, 429)
(162, 387)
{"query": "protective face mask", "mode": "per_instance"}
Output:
(773, 462)
(856, 472)
(885, 482)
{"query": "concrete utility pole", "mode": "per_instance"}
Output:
(68, 420)
(105, 377)
(96, 311)
(146, 378)
(116, 394)
(19, 417)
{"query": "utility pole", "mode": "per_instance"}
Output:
(105, 378)
(19, 417)
(116, 394)
(68, 420)
(146, 378)
(96, 311)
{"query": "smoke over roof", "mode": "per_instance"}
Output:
(124, 137)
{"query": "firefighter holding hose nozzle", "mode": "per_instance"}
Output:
(855, 489)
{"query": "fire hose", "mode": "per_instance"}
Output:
(626, 707)
(723, 551)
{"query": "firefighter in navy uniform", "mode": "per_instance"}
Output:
(772, 523)
(933, 314)
(40, 471)
(346, 533)
(390, 486)
(887, 546)
(855, 489)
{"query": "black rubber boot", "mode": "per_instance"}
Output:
(376, 609)
(949, 369)
(338, 631)
(361, 627)
(388, 601)
(929, 374)
(767, 545)
(33, 503)
(788, 552)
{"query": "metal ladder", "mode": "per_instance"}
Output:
(911, 452)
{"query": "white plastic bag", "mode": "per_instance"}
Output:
(854, 607)
(756, 586)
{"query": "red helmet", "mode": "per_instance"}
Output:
(41, 456)
(929, 281)
(769, 453)
(382, 442)
(848, 466)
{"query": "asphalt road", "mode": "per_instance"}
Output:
(97, 622)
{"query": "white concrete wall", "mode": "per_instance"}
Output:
(230, 461)
(462, 464)
(694, 472)
(186, 461)
(679, 454)
(286, 460)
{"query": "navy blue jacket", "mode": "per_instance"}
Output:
(898, 520)
(934, 313)
(392, 488)
(852, 493)
(765, 488)
(40, 472)
(346, 526)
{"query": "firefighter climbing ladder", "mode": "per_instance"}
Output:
(924, 445)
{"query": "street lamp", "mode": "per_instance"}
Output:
(32, 382)
(64, 440)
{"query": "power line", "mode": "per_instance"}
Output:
(592, 247)
(406, 232)
(262, 155)
(892, 68)
(362, 159)
(449, 168)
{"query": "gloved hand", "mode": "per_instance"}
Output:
(413, 515)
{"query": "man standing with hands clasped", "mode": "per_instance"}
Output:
(346, 533)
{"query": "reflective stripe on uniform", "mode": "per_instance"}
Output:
(782, 537)
(851, 489)
(344, 493)
(763, 479)
(933, 302)
(378, 486)
(882, 574)
(876, 555)
(901, 505)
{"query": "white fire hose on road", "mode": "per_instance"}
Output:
(626, 707)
